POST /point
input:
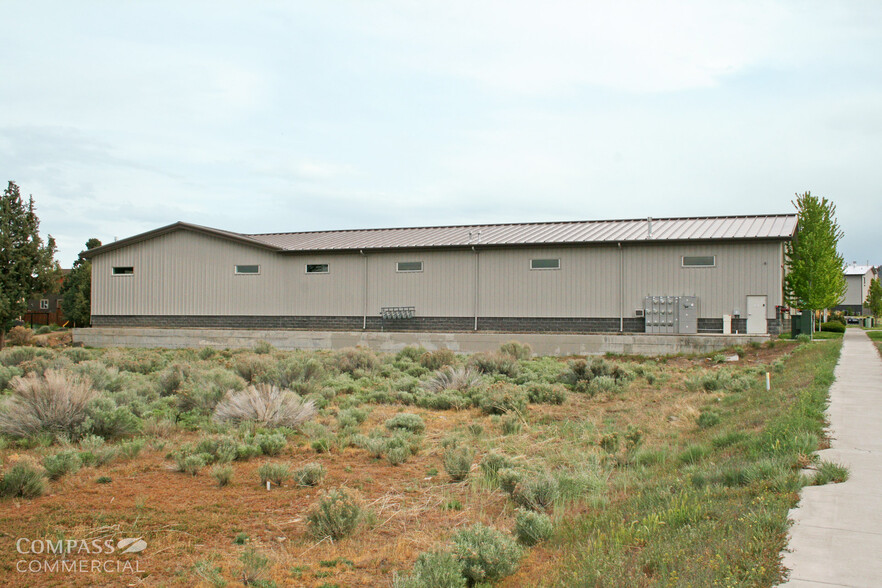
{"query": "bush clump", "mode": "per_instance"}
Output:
(460, 379)
(222, 473)
(275, 473)
(55, 403)
(310, 474)
(516, 349)
(486, 554)
(20, 336)
(270, 443)
(458, 462)
(336, 515)
(833, 327)
(22, 480)
(268, 405)
(541, 393)
(404, 421)
(532, 527)
(502, 397)
(436, 569)
(61, 464)
(356, 360)
(435, 360)
(536, 493)
(495, 363)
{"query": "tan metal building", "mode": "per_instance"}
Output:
(590, 276)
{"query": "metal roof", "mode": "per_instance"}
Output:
(858, 270)
(775, 226)
(555, 233)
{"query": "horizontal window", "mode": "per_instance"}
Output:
(123, 271)
(699, 260)
(545, 264)
(317, 268)
(247, 269)
(410, 266)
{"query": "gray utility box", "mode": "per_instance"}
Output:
(671, 314)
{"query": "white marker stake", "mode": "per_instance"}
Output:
(267, 485)
(768, 381)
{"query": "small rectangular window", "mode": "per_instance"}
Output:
(317, 268)
(247, 269)
(540, 264)
(44, 304)
(123, 271)
(410, 266)
(699, 260)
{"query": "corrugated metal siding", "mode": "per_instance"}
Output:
(741, 270)
(185, 273)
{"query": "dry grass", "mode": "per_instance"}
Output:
(54, 403)
(265, 404)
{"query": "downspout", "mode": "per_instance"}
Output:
(621, 288)
(364, 309)
(477, 274)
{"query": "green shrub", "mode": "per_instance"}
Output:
(410, 353)
(397, 451)
(355, 360)
(7, 374)
(517, 350)
(352, 417)
(502, 397)
(336, 515)
(437, 569)
(536, 493)
(833, 327)
(106, 419)
(532, 527)
(803, 338)
(541, 393)
(486, 554)
(511, 425)
(435, 360)
(461, 379)
(22, 480)
(61, 464)
(458, 462)
(103, 480)
(406, 422)
(245, 451)
(275, 473)
(130, 449)
(509, 478)
(310, 474)
(222, 473)
(270, 443)
(495, 363)
(263, 347)
(190, 463)
(493, 462)
(321, 445)
(708, 418)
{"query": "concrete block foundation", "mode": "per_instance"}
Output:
(558, 344)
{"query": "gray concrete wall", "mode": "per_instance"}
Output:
(551, 344)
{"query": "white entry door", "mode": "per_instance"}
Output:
(756, 315)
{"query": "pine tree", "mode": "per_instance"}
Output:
(27, 264)
(815, 278)
(76, 292)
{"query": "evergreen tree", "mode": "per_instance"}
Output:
(874, 298)
(27, 265)
(76, 292)
(815, 278)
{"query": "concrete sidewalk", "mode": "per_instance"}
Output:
(836, 538)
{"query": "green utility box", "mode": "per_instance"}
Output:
(801, 323)
(868, 322)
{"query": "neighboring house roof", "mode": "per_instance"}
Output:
(859, 270)
(776, 226)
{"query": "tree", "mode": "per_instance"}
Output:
(76, 301)
(815, 278)
(874, 297)
(26, 264)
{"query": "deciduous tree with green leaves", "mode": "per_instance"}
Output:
(874, 298)
(76, 292)
(27, 265)
(815, 278)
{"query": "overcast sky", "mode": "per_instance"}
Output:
(120, 117)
